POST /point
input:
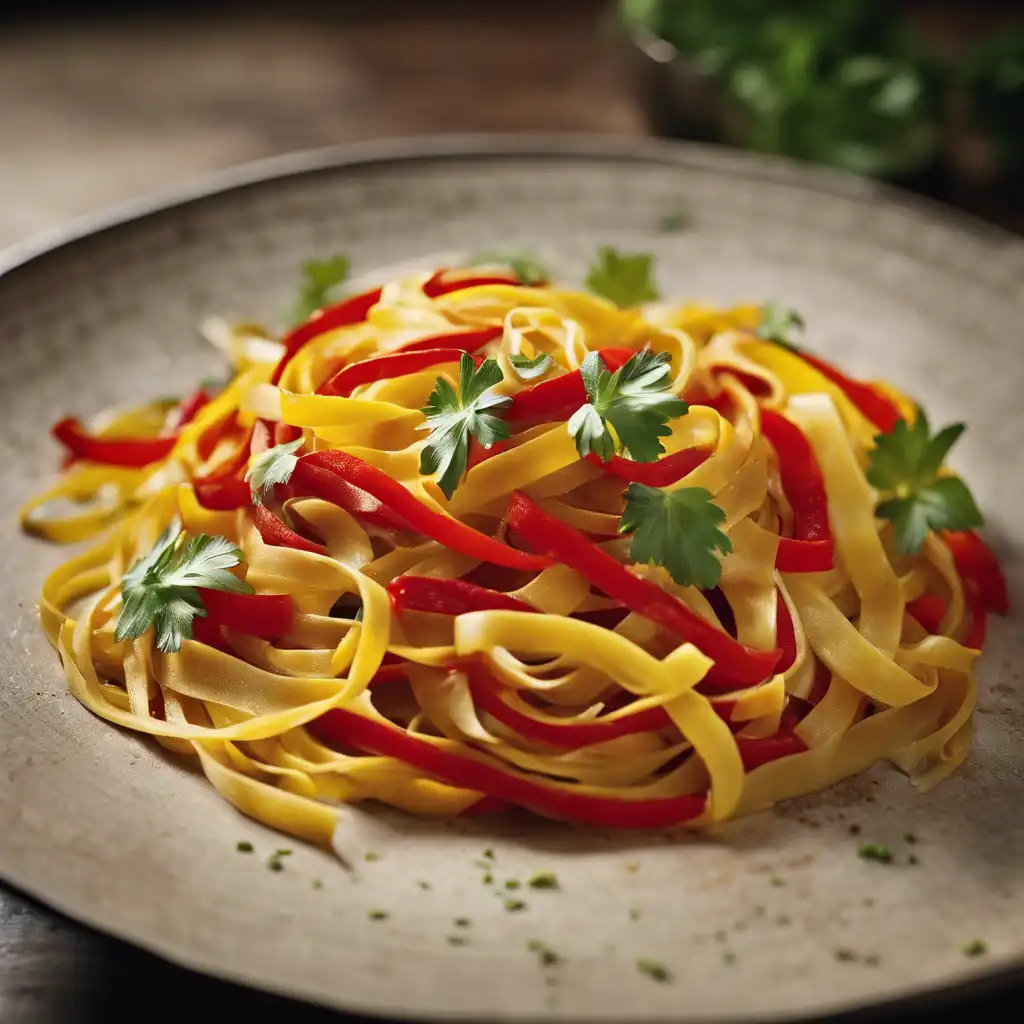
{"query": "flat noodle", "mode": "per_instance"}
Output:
(558, 697)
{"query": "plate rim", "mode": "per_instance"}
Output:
(413, 149)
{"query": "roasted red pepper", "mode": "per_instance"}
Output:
(785, 634)
(348, 729)
(879, 409)
(560, 397)
(353, 310)
(190, 406)
(453, 534)
(449, 596)
(759, 750)
(275, 533)
(311, 481)
(666, 470)
(267, 616)
(222, 495)
(397, 364)
(811, 549)
(735, 664)
(443, 283)
(929, 610)
(975, 561)
(130, 452)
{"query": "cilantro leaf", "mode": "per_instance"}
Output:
(529, 369)
(625, 279)
(453, 417)
(319, 280)
(905, 464)
(678, 530)
(159, 590)
(527, 270)
(628, 409)
(777, 322)
(274, 466)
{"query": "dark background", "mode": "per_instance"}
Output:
(135, 97)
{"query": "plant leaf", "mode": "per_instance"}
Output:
(778, 322)
(625, 279)
(319, 280)
(274, 466)
(530, 369)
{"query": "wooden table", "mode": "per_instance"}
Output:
(96, 112)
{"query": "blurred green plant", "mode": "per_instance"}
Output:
(993, 81)
(842, 82)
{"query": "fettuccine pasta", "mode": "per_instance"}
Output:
(324, 591)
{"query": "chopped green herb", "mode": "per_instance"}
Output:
(317, 884)
(370, 857)
(547, 956)
(160, 588)
(783, 920)
(274, 466)
(976, 947)
(378, 915)
(913, 860)
(776, 881)
(777, 322)
(513, 905)
(424, 885)
(453, 417)
(673, 221)
(457, 940)
(634, 914)
(622, 278)
(627, 409)
(319, 280)
(530, 369)
(512, 883)
(845, 955)
(909, 837)
(488, 878)
(728, 958)
(855, 830)
(876, 852)
(276, 860)
(481, 864)
(462, 922)
(543, 880)
(244, 847)
(489, 853)
(905, 465)
(653, 969)
(679, 530)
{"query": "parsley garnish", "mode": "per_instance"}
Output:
(653, 969)
(378, 915)
(512, 884)
(906, 464)
(457, 940)
(452, 418)
(876, 852)
(319, 279)
(274, 466)
(159, 590)
(276, 860)
(513, 905)
(976, 947)
(462, 922)
(371, 857)
(244, 847)
(547, 956)
(776, 323)
(527, 270)
(678, 530)
(317, 883)
(627, 409)
(424, 885)
(530, 369)
(622, 278)
(543, 880)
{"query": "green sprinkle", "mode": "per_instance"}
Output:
(845, 955)
(975, 948)
(424, 885)
(489, 853)
(634, 914)
(876, 852)
(488, 878)
(675, 220)
(512, 905)
(370, 857)
(512, 883)
(909, 837)
(275, 862)
(913, 860)
(244, 847)
(653, 970)
(457, 940)
(547, 956)
(544, 880)
(378, 915)
(728, 958)
(462, 922)
(317, 884)
(482, 864)
(777, 881)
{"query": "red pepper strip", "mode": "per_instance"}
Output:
(396, 364)
(785, 634)
(206, 632)
(439, 285)
(664, 471)
(480, 453)
(390, 674)
(975, 561)
(812, 548)
(352, 310)
(734, 663)
(458, 341)
(267, 616)
(190, 406)
(756, 751)
(222, 495)
(447, 531)
(132, 452)
(347, 728)
(286, 432)
(486, 805)
(449, 597)
(308, 479)
(881, 411)
(274, 532)
(929, 610)
(560, 397)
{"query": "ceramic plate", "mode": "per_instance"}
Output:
(753, 920)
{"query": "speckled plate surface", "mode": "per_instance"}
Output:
(750, 919)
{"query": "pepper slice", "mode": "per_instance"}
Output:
(449, 596)
(348, 729)
(975, 561)
(440, 284)
(929, 610)
(130, 452)
(560, 397)
(311, 481)
(660, 473)
(812, 549)
(445, 530)
(275, 533)
(882, 412)
(397, 364)
(267, 616)
(352, 310)
(734, 663)
(222, 495)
